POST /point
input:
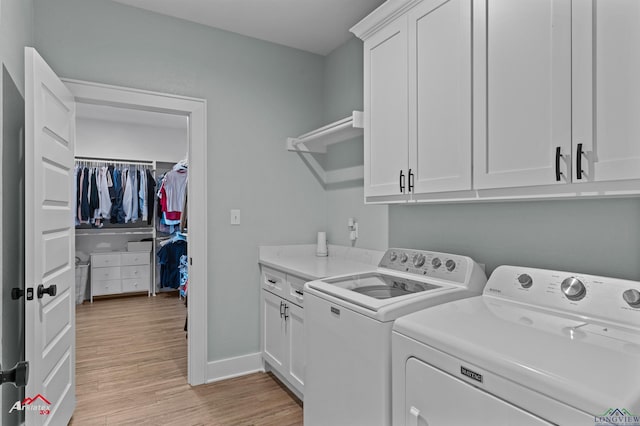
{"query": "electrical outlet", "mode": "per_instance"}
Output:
(235, 217)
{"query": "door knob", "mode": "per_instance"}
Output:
(51, 290)
(18, 375)
(16, 293)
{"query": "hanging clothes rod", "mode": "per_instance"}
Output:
(115, 160)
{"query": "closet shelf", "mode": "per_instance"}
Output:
(339, 131)
(112, 231)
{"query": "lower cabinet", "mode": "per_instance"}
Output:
(283, 344)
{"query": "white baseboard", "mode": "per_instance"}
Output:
(234, 367)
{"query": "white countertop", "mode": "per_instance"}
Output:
(301, 260)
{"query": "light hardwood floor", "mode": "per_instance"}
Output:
(131, 368)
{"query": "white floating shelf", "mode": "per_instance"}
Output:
(339, 131)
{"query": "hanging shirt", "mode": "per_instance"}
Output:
(126, 198)
(134, 195)
(142, 193)
(103, 193)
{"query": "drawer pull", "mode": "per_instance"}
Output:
(273, 282)
(299, 292)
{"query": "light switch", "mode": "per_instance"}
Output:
(235, 217)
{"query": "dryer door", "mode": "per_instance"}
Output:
(435, 398)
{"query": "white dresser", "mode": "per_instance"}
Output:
(120, 272)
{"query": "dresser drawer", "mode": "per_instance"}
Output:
(107, 259)
(137, 271)
(136, 258)
(99, 288)
(104, 274)
(135, 284)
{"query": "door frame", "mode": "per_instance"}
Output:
(196, 111)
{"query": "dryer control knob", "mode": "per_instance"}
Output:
(632, 297)
(393, 256)
(404, 258)
(573, 288)
(450, 264)
(418, 260)
(436, 263)
(525, 280)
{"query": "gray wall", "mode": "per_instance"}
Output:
(600, 237)
(16, 30)
(343, 72)
(258, 93)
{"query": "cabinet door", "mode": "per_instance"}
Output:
(274, 331)
(440, 95)
(522, 92)
(606, 94)
(297, 349)
(385, 104)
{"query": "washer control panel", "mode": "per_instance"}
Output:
(589, 295)
(445, 266)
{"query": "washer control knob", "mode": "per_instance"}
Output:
(436, 263)
(393, 256)
(632, 297)
(525, 280)
(450, 264)
(573, 288)
(404, 258)
(418, 260)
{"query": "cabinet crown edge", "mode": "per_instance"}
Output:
(380, 17)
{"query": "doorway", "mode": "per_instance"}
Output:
(194, 110)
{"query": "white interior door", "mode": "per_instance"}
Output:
(49, 244)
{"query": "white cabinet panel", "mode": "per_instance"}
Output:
(386, 103)
(606, 38)
(297, 348)
(522, 92)
(273, 330)
(440, 96)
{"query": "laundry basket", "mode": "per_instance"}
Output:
(82, 275)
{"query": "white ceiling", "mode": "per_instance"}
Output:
(317, 26)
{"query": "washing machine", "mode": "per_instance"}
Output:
(348, 322)
(538, 347)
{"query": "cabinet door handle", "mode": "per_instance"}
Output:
(410, 181)
(558, 156)
(579, 154)
(401, 182)
(286, 312)
(281, 309)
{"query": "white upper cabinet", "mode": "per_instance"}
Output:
(522, 92)
(440, 96)
(417, 101)
(606, 88)
(501, 99)
(385, 115)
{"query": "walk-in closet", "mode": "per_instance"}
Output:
(131, 234)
